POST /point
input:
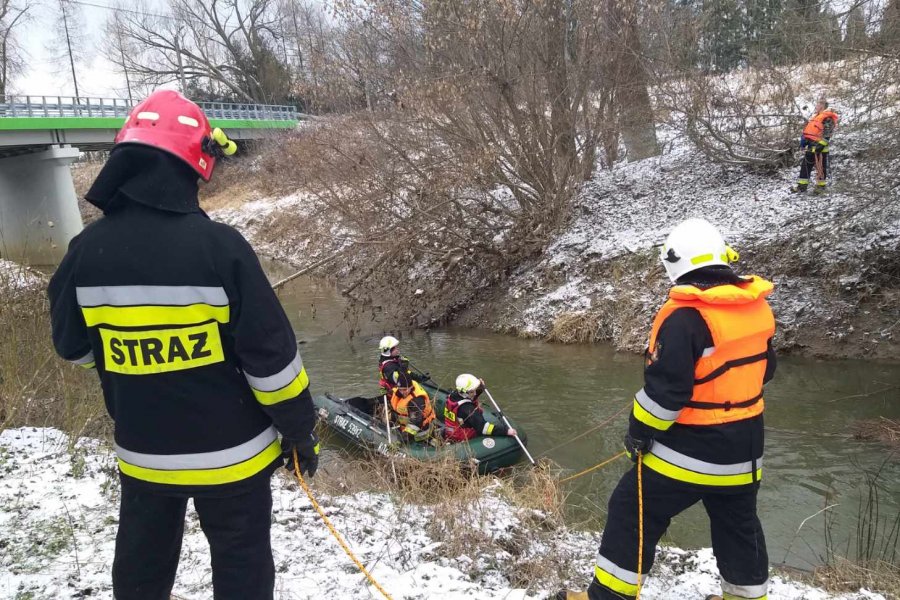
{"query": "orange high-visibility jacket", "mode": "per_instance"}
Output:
(815, 129)
(728, 379)
(400, 404)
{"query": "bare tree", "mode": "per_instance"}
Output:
(228, 47)
(12, 15)
(627, 74)
(70, 44)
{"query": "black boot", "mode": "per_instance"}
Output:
(570, 595)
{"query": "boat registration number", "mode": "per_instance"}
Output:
(348, 426)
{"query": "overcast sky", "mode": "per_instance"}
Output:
(97, 77)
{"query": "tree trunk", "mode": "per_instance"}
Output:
(630, 80)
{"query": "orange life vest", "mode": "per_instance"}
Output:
(728, 378)
(400, 404)
(815, 129)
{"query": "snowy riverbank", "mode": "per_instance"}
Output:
(832, 256)
(58, 515)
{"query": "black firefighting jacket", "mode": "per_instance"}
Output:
(197, 359)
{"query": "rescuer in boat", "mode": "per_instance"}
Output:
(463, 415)
(390, 362)
(197, 360)
(412, 408)
(697, 423)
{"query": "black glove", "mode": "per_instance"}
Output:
(635, 446)
(307, 454)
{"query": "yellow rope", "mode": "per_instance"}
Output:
(594, 468)
(334, 531)
(591, 430)
(640, 564)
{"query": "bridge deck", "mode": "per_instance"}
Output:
(31, 123)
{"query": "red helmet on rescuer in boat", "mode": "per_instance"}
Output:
(169, 121)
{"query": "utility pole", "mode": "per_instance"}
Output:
(63, 6)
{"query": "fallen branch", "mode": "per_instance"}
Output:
(309, 268)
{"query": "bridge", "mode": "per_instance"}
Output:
(41, 136)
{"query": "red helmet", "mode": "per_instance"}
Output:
(169, 121)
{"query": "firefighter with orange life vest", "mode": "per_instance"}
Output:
(197, 359)
(412, 408)
(815, 143)
(390, 362)
(697, 423)
(464, 417)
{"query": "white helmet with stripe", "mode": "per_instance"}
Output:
(692, 245)
(467, 382)
(387, 344)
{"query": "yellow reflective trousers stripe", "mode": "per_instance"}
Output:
(614, 583)
(651, 461)
(223, 475)
(152, 316)
(291, 390)
(727, 596)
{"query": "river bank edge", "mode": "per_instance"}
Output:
(59, 506)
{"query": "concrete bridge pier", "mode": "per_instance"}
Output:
(38, 206)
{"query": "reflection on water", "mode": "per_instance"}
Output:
(557, 392)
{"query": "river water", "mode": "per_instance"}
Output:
(556, 392)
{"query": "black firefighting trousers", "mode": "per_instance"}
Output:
(148, 544)
(737, 536)
(808, 167)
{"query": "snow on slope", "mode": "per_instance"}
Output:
(59, 507)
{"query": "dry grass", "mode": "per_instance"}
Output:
(882, 429)
(37, 388)
(848, 576)
(462, 503)
(84, 174)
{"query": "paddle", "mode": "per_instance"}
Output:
(387, 426)
(506, 421)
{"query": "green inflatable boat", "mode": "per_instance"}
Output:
(348, 417)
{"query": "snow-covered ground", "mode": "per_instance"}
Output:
(603, 265)
(14, 276)
(58, 518)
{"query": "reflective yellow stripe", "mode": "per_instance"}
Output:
(652, 461)
(161, 350)
(316, 448)
(488, 428)
(229, 474)
(614, 583)
(89, 365)
(645, 417)
(148, 316)
(291, 390)
(727, 596)
(701, 259)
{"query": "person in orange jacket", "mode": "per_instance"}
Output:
(815, 143)
(697, 424)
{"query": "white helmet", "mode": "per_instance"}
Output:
(692, 245)
(467, 382)
(387, 344)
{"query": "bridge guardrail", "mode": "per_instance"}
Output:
(71, 106)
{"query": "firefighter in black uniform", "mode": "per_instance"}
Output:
(697, 424)
(463, 415)
(391, 365)
(198, 362)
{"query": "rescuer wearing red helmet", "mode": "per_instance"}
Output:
(197, 360)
